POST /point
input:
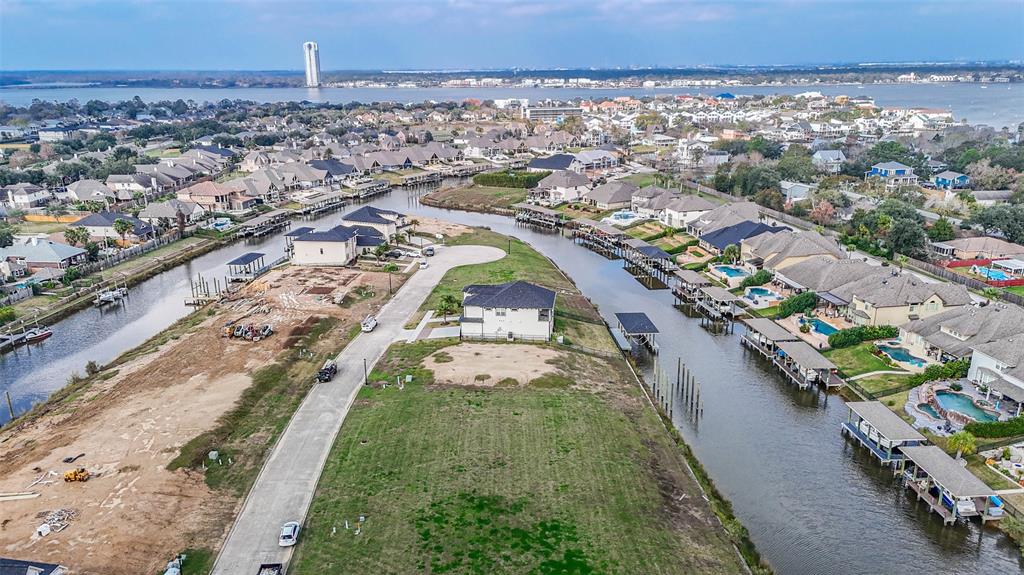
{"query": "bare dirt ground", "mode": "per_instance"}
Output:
(434, 226)
(496, 364)
(133, 515)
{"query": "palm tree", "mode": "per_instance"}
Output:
(122, 227)
(963, 442)
(991, 293)
(448, 304)
(731, 252)
(380, 250)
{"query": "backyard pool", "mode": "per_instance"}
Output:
(622, 218)
(901, 354)
(950, 400)
(730, 271)
(824, 328)
(929, 410)
(992, 273)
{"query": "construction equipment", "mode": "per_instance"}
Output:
(79, 474)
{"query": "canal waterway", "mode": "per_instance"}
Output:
(996, 105)
(813, 504)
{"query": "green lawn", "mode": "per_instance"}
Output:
(170, 249)
(641, 180)
(524, 263)
(233, 175)
(881, 383)
(855, 360)
(41, 227)
(1019, 290)
(534, 479)
(477, 198)
(769, 312)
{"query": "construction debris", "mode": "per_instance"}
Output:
(18, 495)
(56, 521)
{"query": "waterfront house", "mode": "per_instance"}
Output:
(89, 190)
(514, 310)
(166, 213)
(953, 333)
(949, 180)
(214, 197)
(333, 247)
(559, 187)
(680, 210)
(723, 216)
(897, 299)
(387, 222)
(776, 250)
(613, 195)
(36, 254)
(829, 161)
(717, 240)
(554, 162)
(101, 225)
(894, 174)
(999, 366)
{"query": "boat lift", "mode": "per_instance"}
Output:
(638, 329)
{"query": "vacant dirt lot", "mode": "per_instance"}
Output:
(133, 515)
(434, 226)
(468, 363)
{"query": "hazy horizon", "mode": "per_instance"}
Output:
(481, 35)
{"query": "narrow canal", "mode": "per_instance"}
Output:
(812, 503)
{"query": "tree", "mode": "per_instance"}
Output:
(122, 227)
(1005, 218)
(907, 237)
(76, 235)
(941, 231)
(449, 304)
(963, 442)
(6, 235)
(823, 213)
(380, 250)
(796, 165)
(731, 253)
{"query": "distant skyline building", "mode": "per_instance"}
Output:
(312, 53)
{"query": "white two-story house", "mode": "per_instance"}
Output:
(511, 311)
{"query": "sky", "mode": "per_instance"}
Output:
(481, 34)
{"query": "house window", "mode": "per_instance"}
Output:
(543, 314)
(500, 312)
(321, 251)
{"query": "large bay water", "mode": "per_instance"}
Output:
(813, 503)
(996, 105)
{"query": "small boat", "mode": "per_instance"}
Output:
(111, 296)
(36, 335)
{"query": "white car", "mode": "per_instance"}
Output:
(289, 534)
(369, 323)
(423, 264)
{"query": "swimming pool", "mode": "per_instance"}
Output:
(992, 273)
(824, 328)
(929, 410)
(950, 400)
(901, 354)
(731, 271)
(762, 292)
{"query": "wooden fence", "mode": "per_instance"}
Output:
(954, 277)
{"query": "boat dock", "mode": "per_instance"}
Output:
(598, 237)
(264, 224)
(686, 285)
(650, 265)
(110, 296)
(638, 329)
(947, 487)
(539, 216)
(881, 431)
(800, 362)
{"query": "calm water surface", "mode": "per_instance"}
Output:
(812, 503)
(995, 104)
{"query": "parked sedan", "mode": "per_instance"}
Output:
(289, 534)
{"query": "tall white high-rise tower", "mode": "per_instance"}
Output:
(312, 53)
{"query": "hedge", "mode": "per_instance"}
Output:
(759, 279)
(955, 369)
(798, 303)
(992, 429)
(7, 314)
(855, 335)
(510, 179)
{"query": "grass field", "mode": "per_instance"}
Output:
(534, 479)
(856, 359)
(1019, 290)
(641, 180)
(41, 227)
(883, 382)
(645, 229)
(523, 263)
(233, 175)
(479, 198)
(577, 210)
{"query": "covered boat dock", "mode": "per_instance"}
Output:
(638, 329)
(948, 488)
(686, 285)
(650, 265)
(717, 304)
(805, 366)
(876, 427)
(265, 224)
(598, 237)
(764, 335)
(539, 216)
(247, 267)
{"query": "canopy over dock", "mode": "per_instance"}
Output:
(637, 327)
(947, 486)
(876, 427)
(804, 365)
(247, 266)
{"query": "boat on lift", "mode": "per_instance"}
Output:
(37, 334)
(111, 296)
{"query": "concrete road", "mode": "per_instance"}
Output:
(285, 486)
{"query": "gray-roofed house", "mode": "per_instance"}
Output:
(38, 254)
(724, 216)
(612, 195)
(101, 225)
(821, 273)
(775, 251)
(953, 333)
(897, 299)
(511, 311)
(334, 247)
(999, 365)
(830, 161)
(166, 213)
(559, 187)
(387, 222)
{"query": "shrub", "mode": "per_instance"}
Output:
(993, 429)
(7, 314)
(805, 328)
(800, 302)
(855, 335)
(510, 179)
(759, 279)
(952, 370)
